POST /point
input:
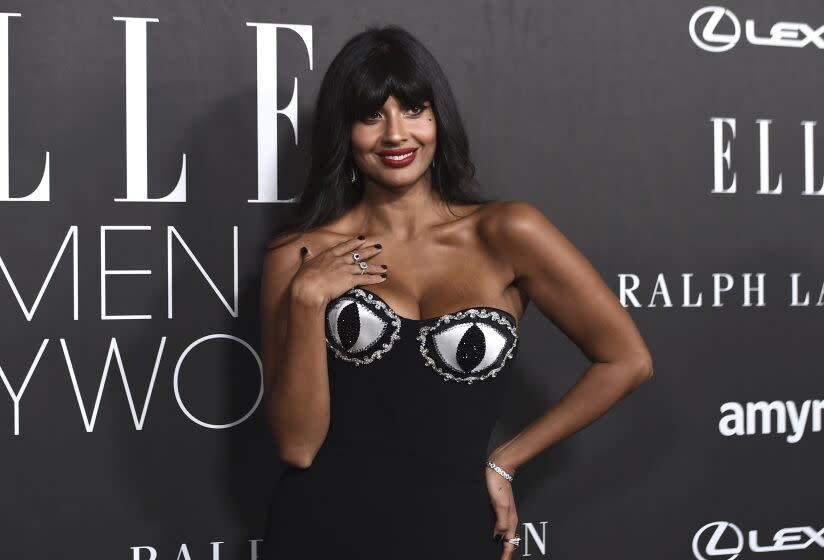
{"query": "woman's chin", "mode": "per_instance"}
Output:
(397, 178)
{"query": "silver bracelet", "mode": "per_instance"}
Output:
(499, 470)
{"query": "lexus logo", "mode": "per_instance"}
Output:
(706, 547)
(722, 540)
(710, 39)
(704, 31)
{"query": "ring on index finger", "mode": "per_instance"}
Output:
(514, 541)
(356, 256)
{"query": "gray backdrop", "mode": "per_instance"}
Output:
(131, 424)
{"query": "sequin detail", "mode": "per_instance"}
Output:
(355, 330)
(468, 347)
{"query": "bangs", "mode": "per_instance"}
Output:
(387, 72)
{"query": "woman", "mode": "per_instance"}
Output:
(390, 313)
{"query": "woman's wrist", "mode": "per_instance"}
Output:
(500, 459)
(305, 298)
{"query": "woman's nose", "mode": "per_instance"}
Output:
(395, 128)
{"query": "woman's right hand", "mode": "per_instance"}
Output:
(324, 276)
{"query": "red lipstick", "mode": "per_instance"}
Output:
(398, 157)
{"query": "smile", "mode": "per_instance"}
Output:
(397, 159)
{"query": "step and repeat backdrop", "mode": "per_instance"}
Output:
(148, 149)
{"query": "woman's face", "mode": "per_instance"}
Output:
(395, 129)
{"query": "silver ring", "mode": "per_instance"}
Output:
(514, 541)
(363, 264)
(356, 256)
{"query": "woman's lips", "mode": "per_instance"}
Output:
(399, 161)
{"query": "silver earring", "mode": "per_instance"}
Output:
(352, 177)
(433, 163)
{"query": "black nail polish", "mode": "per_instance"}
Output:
(378, 245)
(384, 266)
(383, 274)
(303, 251)
(361, 237)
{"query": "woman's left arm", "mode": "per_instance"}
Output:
(569, 291)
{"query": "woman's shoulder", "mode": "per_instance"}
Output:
(502, 217)
(492, 212)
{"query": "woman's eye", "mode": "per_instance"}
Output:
(415, 110)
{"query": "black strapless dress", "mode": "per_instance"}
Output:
(400, 475)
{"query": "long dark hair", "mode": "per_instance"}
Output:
(371, 66)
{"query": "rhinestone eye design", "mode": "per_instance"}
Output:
(360, 328)
(469, 350)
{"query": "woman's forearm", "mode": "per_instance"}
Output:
(603, 385)
(297, 404)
